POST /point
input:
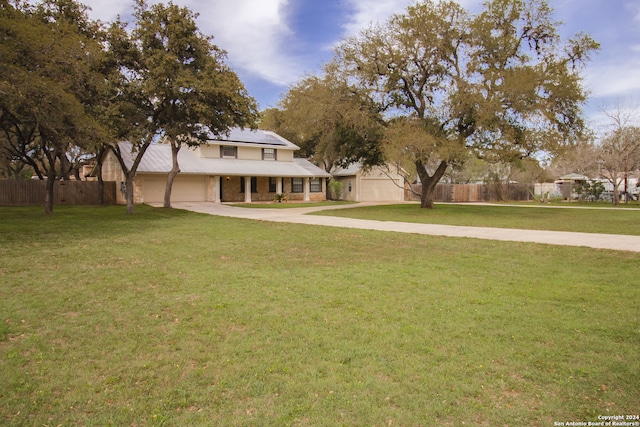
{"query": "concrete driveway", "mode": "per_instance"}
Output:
(298, 216)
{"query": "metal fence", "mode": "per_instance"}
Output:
(25, 193)
(462, 193)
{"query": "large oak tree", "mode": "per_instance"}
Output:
(192, 92)
(500, 83)
(171, 85)
(333, 122)
(50, 72)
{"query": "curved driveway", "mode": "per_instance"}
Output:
(297, 215)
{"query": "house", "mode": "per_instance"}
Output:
(245, 166)
(380, 184)
(566, 184)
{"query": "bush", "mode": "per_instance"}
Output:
(589, 190)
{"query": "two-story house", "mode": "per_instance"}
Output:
(244, 166)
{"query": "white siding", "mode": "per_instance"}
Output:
(249, 153)
(285, 155)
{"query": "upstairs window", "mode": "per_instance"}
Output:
(228, 152)
(269, 154)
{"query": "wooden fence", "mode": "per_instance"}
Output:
(24, 193)
(476, 192)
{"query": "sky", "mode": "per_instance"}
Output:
(272, 44)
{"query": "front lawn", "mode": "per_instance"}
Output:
(174, 318)
(596, 220)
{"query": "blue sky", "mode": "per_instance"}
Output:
(273, 43)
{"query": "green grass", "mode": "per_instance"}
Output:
(175, 318)
(609, 221)
(599, 204)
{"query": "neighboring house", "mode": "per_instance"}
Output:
(380, 184)
(566, 184)
(245, 166)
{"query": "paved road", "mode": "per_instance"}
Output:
(297, 215)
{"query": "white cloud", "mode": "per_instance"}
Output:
(611, 80)
(635, 8)
(107, 11)
(367, 12)
(609, 83)
(253, 32)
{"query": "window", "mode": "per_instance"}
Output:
(349, 186)
(254, 184)
(269, 154)
(273, 184)
(316, 185)
(297, 185)
(228, 152)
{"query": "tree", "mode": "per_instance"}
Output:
(619, 150)
(619, 153)
(580, 158)
(129, 114)
(332, 121)
(48, 74)
(192, 93)
(589, 190)
(499, 83)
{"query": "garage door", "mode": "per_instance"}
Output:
(186, 188)
(380, 190)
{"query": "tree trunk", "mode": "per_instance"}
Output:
(100, 184)
(429, 182)
(51, 179)
(48, 197)
(616, 195)
(65, 167)
(175, 169)
(128, 185)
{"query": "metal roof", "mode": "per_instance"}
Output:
(157, 159)
(575, 177)
(350, 170)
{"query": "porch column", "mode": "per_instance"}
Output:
(247, 189)
(216, 189)
(279, 185)
(307, 190)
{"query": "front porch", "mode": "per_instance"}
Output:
(248, 189)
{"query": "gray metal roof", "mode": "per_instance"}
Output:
(350, 170)
(575, 177)
(157, 159)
